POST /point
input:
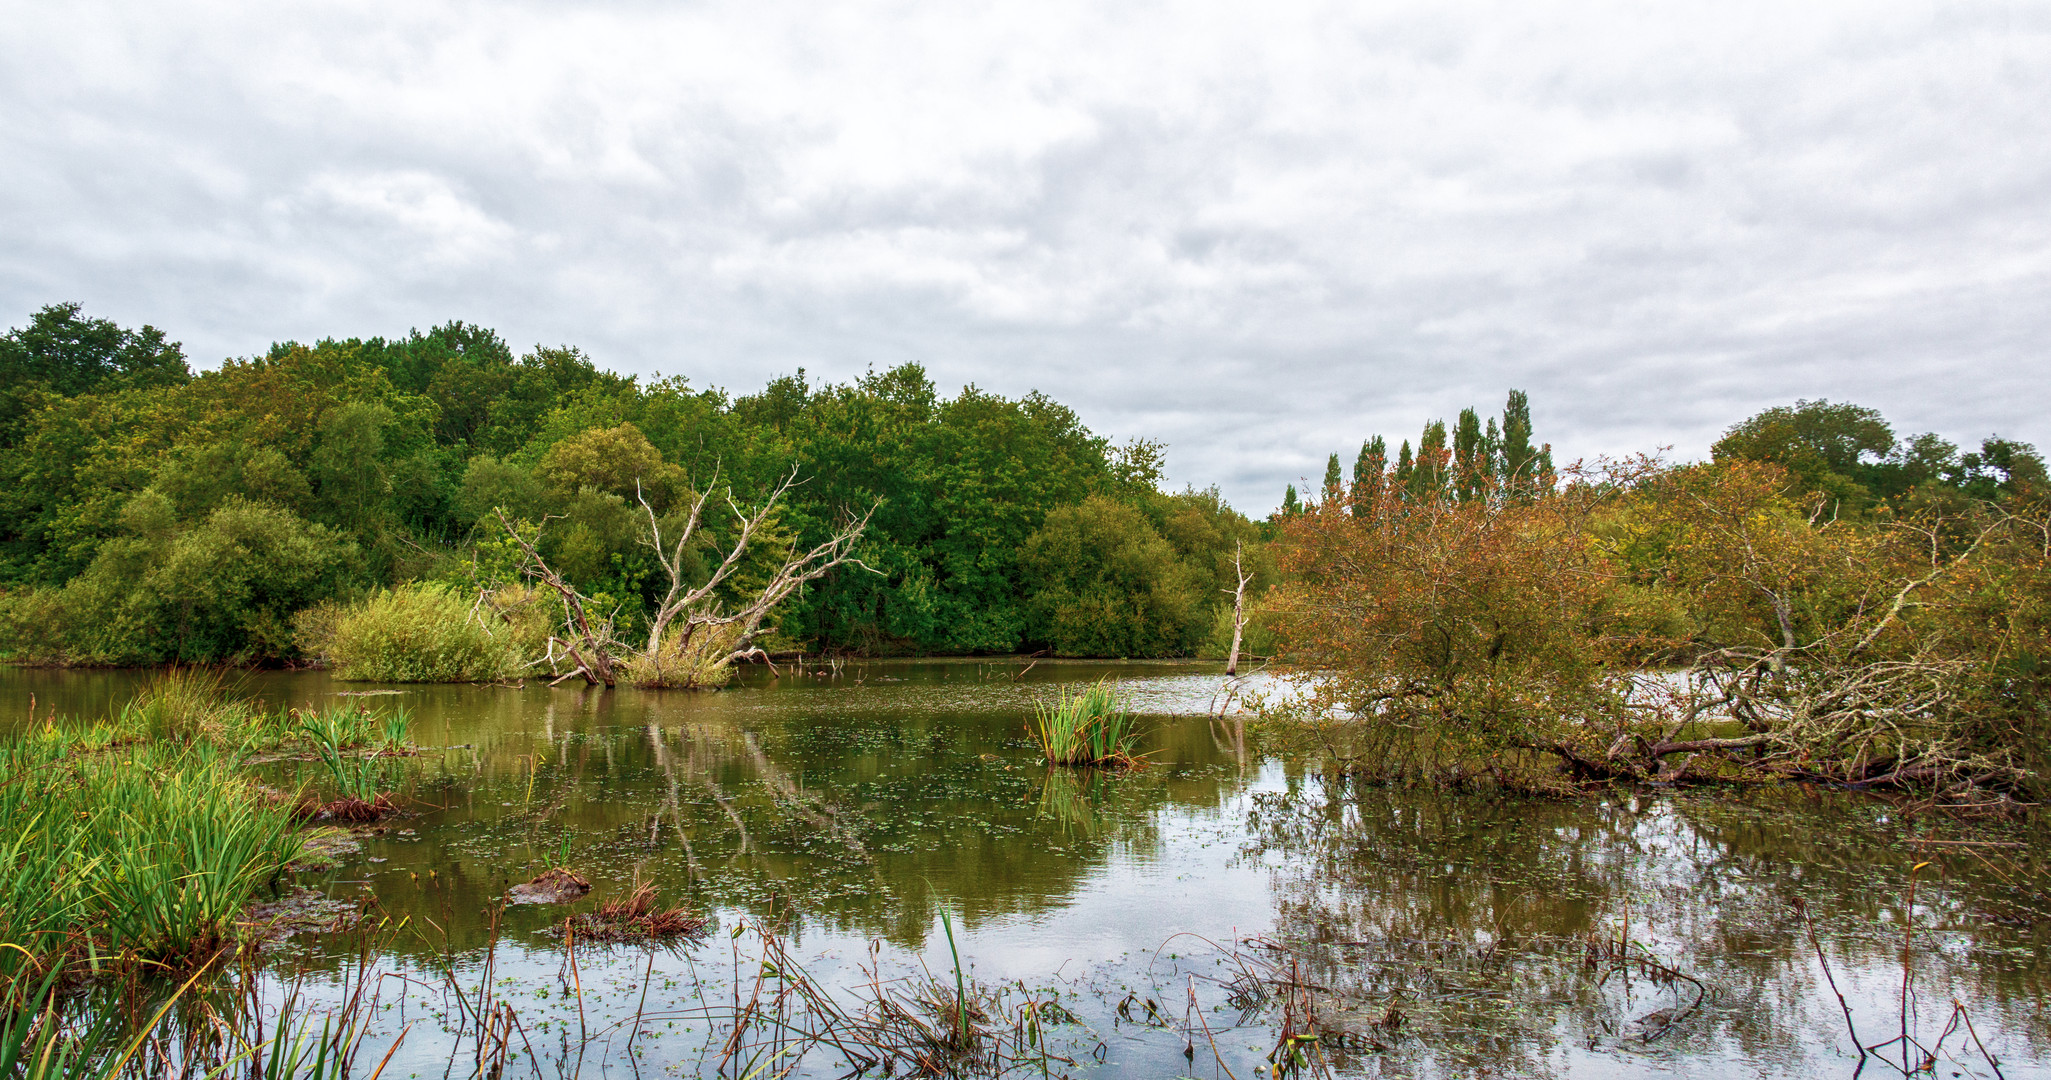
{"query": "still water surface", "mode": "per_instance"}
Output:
(1448, 935)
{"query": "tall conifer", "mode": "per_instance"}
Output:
(1428, 480)
(1519, 465)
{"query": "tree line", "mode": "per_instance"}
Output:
(157, 515)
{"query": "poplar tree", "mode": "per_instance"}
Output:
(1469, 465)
(1519, 460)
(1368, 476)
(1428, 480)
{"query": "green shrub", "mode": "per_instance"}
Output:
(221, 588)
(423, 633)
(1102, 581)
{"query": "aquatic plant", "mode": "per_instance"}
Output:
(356, 782)
(1090, 728)
(146, 855)
(184, 705)
(343, 727)
(423, 632)
(636, 917)
(397, 727)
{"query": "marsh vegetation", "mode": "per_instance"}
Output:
(1542, 767)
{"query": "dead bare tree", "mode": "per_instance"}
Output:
(1238, 605)
(698, 604)
(711, 636)
(589, 643)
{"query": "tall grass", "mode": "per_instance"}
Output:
(184, 705)
(1090, 728)
(134, 855)
(422, 633)
(697, 663)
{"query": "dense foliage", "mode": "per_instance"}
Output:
(149, 514)
(1858, 622)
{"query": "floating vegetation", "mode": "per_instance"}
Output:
(636, 918)
(1092, 728)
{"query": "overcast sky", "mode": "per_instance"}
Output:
(1257, 231)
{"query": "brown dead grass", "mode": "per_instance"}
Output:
(348, 810)
(636, 917)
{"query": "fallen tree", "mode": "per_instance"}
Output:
(694, 636)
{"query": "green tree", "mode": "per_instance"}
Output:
(1103, 582)
(1334, 490)
(63, 353)
(1370, 476)
(1836, 450)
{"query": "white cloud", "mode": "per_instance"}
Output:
(1259, 232)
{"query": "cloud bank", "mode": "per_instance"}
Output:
(1258, 232)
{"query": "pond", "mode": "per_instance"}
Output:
(881, 827)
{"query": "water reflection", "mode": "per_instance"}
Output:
(1489, 929)
(1449, 934)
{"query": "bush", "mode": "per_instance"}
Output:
(698, 664)
(422, 633)
(219, 589)
(1103, 582)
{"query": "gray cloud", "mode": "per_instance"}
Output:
(1260, 233)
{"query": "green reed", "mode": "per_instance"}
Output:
(131, 854)
(1090, 727)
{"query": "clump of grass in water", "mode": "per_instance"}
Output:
(184, 705)
(397, 726)
(355, 781)
(347, 727)
(1090, 728)
(141, 855)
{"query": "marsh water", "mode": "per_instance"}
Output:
(1435, 934)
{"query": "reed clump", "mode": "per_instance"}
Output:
(141, 855)
(422, 632)
(1092, 728)
(636, 917)
(358, 800)
(187, 705)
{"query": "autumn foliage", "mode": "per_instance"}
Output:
(1661, 623)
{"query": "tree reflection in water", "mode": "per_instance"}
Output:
(1438, 934)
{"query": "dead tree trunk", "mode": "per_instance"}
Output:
(698, 605)
(590, 644)
(1238, 606)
